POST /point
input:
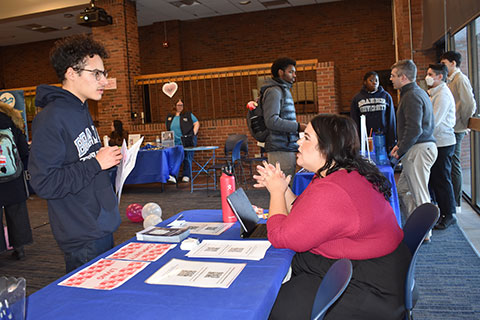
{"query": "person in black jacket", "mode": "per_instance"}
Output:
(377, 106)
(185, 127)
(14, 193)
(67, 162)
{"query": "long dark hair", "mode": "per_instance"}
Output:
(118, 127)
(338, 142)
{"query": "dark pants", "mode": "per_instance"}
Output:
(457, 168)
(18, 225)
(187, 164)
(376, 290)
(89, 251)
(441, 183)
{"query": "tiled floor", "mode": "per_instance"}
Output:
(469, 221)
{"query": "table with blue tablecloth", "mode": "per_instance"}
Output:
(250, 296)
(156, 165)
(302, 180)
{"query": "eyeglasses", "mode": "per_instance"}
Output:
(97, 73)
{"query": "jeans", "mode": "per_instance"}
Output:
(441, 182)
(89, 251)
(457, 168)
(187, 164)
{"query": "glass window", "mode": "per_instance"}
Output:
(460, 39)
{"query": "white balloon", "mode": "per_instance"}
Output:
(151, 208)
(151, 220)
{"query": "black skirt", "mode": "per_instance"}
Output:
(376, 290)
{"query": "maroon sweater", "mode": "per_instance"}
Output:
(339, 216)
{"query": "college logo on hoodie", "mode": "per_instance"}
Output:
(372, 104)
(85, 140)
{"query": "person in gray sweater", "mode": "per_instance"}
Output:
(416, 144)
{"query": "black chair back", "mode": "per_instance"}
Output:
(418, 225)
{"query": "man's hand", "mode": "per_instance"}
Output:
(394, 152)
(108, 157)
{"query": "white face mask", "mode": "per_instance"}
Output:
(429, 80)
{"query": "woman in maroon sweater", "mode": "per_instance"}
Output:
(343, 213)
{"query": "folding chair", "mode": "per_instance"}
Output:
(416, 228)
(331, 288)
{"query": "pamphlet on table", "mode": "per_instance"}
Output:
(207, 228)
(104, 274)
(142, 251)
(197, 274)
(126, 165)
(230, 249)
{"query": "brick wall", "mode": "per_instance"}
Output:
(356, 35)
(123, 63)
(26, 65)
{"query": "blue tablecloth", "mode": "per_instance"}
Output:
(302, 179)
(250, 296)
(156, 165)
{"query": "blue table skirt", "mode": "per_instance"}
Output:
(250, 296)
(302, 180)
(156, 165)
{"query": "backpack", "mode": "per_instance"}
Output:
(10, 163)
(255, 119)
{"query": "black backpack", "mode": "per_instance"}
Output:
(255, 119)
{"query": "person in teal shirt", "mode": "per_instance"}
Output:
(185, 127)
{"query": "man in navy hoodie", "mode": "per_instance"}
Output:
(67, 162)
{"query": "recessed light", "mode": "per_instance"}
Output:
(244, 3)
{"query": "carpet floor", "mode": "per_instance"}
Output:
(448, 278)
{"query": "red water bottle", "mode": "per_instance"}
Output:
(227, 187)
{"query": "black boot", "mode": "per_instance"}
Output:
(445, 222)
(18, 253)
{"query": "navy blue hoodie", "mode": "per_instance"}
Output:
(82, 205)
(379, 112)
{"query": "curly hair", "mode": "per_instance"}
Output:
(338, 143)
(72, 52)
(281, 63)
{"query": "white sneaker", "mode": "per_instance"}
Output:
(172, 179)
(458, 209)
(186, 179)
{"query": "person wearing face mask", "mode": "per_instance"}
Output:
(377, 106)
(444, 116)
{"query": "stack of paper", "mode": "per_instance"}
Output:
(230, 249)
(197, 274)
